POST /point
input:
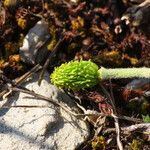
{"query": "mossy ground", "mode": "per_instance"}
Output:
(92, 32)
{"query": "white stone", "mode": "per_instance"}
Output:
(32, 50)
(47, 128)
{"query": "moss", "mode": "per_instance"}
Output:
(2, 62)
(10, 3)
(99, 143)
(77, 23)
(146, 118)
(53, 40)
(11, 48)
(22, 23)
(113, 58)
(51, 44)
(136, 145)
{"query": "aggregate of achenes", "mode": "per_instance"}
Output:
(75, 75)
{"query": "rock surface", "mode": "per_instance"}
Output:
(45, 128)
(33, 50)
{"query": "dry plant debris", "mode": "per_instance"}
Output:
(109, 33)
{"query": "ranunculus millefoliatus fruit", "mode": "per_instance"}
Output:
(85, 74)
(75, 75)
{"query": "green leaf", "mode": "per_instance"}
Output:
(146, 118)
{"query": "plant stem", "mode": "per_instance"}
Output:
(119, 73)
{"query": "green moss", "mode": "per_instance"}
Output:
(136, 145)
(146, 118)
(99, 143)
(75, 75)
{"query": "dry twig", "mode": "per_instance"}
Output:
(119, 143)
(51, 55)
(144, 126)
(20, 80)
(61, 105)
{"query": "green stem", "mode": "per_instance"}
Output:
(119, 73)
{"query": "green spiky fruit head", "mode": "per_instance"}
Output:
(75, 75)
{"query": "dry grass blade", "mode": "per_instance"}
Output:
(61, 105)
(49, 58)
(21, 79)
(119, 143)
